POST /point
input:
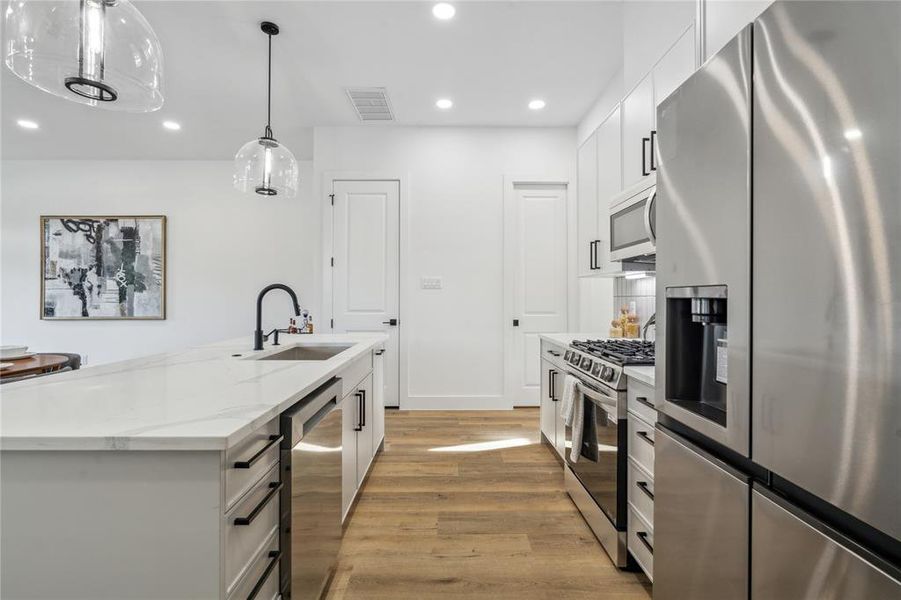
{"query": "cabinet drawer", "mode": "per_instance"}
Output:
(641, 542)
(552, 353)
(355, 373)
(641, 491)
(262, 575)
(249, 460)
(641, 443)
(249, 525)
(641, 400)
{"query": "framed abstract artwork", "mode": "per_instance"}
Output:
(103, 267)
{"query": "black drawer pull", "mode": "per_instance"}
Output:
(274, 487)
(274, 440)
(643, 538)
(644, 435)
(645, 401)
(552, 353)
(643, 486)
(359, 425)
(275, 555)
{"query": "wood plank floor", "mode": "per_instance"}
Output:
(493, 522)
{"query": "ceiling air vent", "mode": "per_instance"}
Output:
(371, 104)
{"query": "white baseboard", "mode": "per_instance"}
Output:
(456, 403)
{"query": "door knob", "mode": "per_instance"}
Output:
(392, 322)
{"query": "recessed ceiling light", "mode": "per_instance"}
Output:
(853, 134)
(171, 125)
(444, 103)
(537, 104)
(26, 124)
(444, 11)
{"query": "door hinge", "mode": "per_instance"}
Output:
(332, 196)
(333, 261)
(332, 323)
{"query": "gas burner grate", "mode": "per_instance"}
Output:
(619, 351)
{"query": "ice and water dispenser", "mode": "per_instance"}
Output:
(697, 369)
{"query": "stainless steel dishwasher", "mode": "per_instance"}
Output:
(311, 492)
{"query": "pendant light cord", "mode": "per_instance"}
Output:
(268, 132)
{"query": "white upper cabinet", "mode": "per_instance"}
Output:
(675, 66)
(638, 117)
(723, 21)
(610, 183)
(588, 203)
(649, 29)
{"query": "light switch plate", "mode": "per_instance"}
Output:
(430, 283)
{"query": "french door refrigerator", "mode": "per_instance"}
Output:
(779, 351)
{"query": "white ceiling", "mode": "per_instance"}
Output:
(491, 59)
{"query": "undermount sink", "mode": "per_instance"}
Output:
(308, 352)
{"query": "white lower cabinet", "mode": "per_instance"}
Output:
(640, 492)
(552, 374)
(363, 429)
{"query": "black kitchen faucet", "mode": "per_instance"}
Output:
(258, 336)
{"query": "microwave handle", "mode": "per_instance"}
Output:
(648, 206)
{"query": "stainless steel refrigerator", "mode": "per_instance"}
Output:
(778, 455)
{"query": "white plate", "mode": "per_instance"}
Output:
(17, 357)
(6, 365)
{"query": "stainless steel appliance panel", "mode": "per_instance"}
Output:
(311, 535)
(797, 558)
(701, 513)
(704, 217)
(827, 253)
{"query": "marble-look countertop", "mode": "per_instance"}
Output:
(642, 374)
(201, 398)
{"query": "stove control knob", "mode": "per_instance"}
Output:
(607, 374)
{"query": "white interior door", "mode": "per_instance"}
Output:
(535, 282)
(365, 274)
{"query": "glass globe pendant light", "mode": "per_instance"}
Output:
(102, 53)
(263, 165)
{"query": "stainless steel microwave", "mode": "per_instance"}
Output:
(633, 222)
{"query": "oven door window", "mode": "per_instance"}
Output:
(627, 227)
(597, 464)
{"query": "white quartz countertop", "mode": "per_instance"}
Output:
(642, 374)
(565, 339)
(201, 398)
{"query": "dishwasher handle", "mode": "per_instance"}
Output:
(320, 414)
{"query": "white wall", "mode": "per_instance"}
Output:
(454, 197)
(222, 248)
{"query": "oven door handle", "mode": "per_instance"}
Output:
(597, 397)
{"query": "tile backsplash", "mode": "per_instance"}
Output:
(640, 291)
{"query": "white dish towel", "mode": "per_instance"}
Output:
(573, 413)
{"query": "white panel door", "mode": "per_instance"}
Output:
(365, 274)
(535, 280)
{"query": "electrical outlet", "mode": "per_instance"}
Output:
(430, 283)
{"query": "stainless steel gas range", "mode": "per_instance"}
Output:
(596, 480)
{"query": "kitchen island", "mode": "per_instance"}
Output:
(137, 479)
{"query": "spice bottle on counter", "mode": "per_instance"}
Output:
(309, 323)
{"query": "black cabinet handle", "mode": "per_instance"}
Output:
(645, 401)
(363, 406)
(359, 396)
(644, 435)
(275, 555)
(552, 384)
(552, 353)
(274, 487)
(597, 264)
(643, 538)
(653, 161)
(379, 352)
(644, 156)
(643, 486)
(246, 464)
(591, 256)
(392, 322)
